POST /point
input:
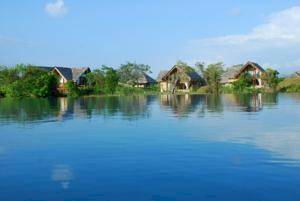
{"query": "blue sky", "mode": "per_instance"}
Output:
(158, 33)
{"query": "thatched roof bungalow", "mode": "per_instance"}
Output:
(179, 78)
(144, 81)
(140, 80)
(252, 68)
(76, 75)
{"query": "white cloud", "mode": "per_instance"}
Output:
(56, 9)
(276, 42)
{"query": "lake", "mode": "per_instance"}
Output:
(156, 148)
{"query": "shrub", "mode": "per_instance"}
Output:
(24, 81)
(203, 90)
(72, 89)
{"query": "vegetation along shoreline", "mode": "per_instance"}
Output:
(132, 78)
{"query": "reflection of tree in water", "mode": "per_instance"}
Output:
(244, 102)
(28, 110)
(132, 107)
(61, 109)
(129, 107)
(250, 102)
(181, 105)
(295, 97)
(270, 99)
(214, 103)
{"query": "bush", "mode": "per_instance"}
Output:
(126, 90)
(203, 90)
(26, 81)
(72, 89)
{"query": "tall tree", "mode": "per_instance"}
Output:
(95, 79)
(131, 72)
(200, 67)
(111, 79)
(211, 74)
(270, 77)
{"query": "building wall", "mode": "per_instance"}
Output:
(163, 86)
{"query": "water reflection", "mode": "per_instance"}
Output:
(181, 105)
(2, 151)
(283, 144)
(129, 107)
(61, 109)
(245, 102)
(62, 174)
(183, 143)
(29, 109)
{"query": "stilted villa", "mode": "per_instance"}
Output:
(179, 79)
(254, 69)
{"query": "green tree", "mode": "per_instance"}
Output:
(212, 75)
(131, 72)
(185, 66)
(270, 77)
(95, 80)
(200, 67)
(243, 83)
(72, 89)
(111, 79)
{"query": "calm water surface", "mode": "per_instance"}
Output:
(160, 148)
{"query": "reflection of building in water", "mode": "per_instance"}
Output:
(64, 109)
(63, 175)
(246, 102)
(181, 105)
(69, 107)
(129, 107)
(133, 107)
(63, 106)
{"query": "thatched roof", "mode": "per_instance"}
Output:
(230, 73)
(71, 73)
(77, 72)
(44, 68)
(236, 70)
(161, 75)
(192, 74)
(145, 79)
(252, 64)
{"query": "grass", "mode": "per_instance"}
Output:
(290, 85)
